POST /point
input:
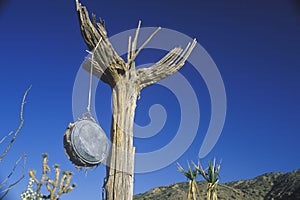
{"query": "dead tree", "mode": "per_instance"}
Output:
(126, 83)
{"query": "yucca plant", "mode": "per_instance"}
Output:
(211, 175)
(191, 175)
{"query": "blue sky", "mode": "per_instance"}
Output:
(255, 45)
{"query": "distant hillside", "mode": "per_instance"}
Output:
(270, 186)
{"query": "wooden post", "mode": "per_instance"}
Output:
(126, 83)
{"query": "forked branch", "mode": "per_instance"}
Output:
(167, 66)
(132, 53)
(56, 187)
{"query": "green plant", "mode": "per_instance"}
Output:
(211, 175)
(191, 175)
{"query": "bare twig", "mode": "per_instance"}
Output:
(10, 174)
(19, 128)
(6, 136)
(133, 54)
(15, 134)
(136, 37)
(144, 44)
(129, 49)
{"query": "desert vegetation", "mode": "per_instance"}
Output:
(279, 186)
(61, 184)
(210, 175)
(191, 175)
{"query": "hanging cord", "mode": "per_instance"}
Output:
(90, 86)
(88, 113)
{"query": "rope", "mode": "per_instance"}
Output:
(91, 79)
(90, 86)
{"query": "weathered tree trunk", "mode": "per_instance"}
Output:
(120, 169)
(126, 82)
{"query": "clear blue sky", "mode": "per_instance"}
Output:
(255, 44)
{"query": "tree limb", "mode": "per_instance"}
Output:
(10, 174)
(133, 53)
(18, 130)
(167, 66)
(15, 134)
(2, 184)
(95, 35)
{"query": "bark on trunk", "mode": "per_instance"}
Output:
(120, 169)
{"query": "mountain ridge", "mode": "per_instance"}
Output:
(268, 186)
